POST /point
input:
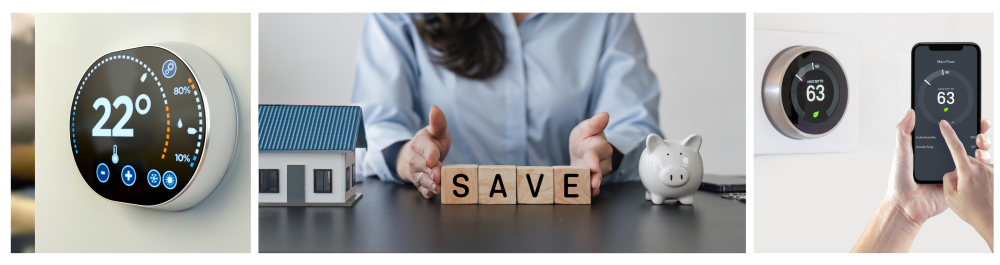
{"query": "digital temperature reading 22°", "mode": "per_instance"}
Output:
(138, 125)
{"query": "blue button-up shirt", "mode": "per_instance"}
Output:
(560, 70)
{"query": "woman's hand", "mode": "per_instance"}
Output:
(918, 202)
(969, 189)
(419, 160)
(906, 204)
(588, 147)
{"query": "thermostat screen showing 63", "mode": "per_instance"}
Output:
(945, 87)
(137, 126)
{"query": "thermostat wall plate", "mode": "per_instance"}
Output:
(154, 126)
(806, 93)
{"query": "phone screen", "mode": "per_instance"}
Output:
(945, 87)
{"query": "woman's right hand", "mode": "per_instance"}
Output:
(969, 189)
(419, 160)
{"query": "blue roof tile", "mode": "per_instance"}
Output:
(291, 128)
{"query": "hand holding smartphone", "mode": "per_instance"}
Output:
(945, 81)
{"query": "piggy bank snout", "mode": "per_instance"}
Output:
(675, 176)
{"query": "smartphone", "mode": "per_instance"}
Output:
(946, 86)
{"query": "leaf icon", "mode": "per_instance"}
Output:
(945, 109)
(816, 114)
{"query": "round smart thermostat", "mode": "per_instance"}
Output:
(804, 92)
(154, 126)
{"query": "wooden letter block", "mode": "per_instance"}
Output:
(534, 185)
(459, 184)
(572, 185)
(497, 185)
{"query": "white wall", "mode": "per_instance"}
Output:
(281, 161)
(72, 218)
(681, 47)
(833, 196)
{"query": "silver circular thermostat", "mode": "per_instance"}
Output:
(154, 126)
(804, 92)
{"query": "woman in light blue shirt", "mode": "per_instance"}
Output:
(501, 89)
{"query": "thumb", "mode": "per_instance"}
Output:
(595, 125)
(438, 125)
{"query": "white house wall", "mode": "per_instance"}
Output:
(311, 161)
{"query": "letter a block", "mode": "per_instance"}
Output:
(534, 185)
(497, 185)
(572, 185)
(459, 184)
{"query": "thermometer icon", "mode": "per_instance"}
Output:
(114, 155)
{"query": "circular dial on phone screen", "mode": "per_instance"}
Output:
(804, 92)
(138, 125)
(938, 93)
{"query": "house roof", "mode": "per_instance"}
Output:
(310, 128)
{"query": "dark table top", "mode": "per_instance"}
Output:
(393, 217)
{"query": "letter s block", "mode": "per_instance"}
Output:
(497, 185)
(460, 184)
(572, 185)
(534, 185)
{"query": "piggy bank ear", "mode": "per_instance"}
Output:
(693, 141)
(653, 141)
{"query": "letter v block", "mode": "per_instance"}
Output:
(460, 184)
(572, 185)
(497, 185)
(534, 185)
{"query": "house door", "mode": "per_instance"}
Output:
(296, 183)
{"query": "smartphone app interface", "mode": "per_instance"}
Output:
(946, 88)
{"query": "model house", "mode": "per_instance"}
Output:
(306, 154)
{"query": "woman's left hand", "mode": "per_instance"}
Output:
(588, 147)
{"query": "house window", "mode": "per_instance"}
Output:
(353, 179)
(347, 178)
(322, 181)
(269, 181)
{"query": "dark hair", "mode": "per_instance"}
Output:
(470, 45)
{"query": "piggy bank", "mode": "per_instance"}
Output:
(671, 169)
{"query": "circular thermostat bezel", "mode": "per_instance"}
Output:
(774, 91)
(220, 128)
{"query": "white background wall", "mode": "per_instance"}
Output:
(72, 218)
(822, 202)
(698, 59)
(281, 161)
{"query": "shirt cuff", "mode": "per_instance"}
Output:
(616, 159)
(390, 154)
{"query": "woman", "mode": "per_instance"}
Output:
(517, 89)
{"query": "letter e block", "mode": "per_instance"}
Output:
(459, 184)
(572, 185)
(497, 185)
(534, 185)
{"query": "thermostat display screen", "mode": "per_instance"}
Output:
(945, 87)
(138, 125)
(814, 85)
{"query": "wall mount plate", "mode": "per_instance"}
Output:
(154, 126)
(806, 97)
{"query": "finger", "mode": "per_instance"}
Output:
(984, 142)
(427, 181)
(595, 125)
(904, 130)
(958, 153)
(428, 148)
(950, 183)
(437, 124)
(985, 125)
(425, 192)
(593, 162)
(984, 156)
